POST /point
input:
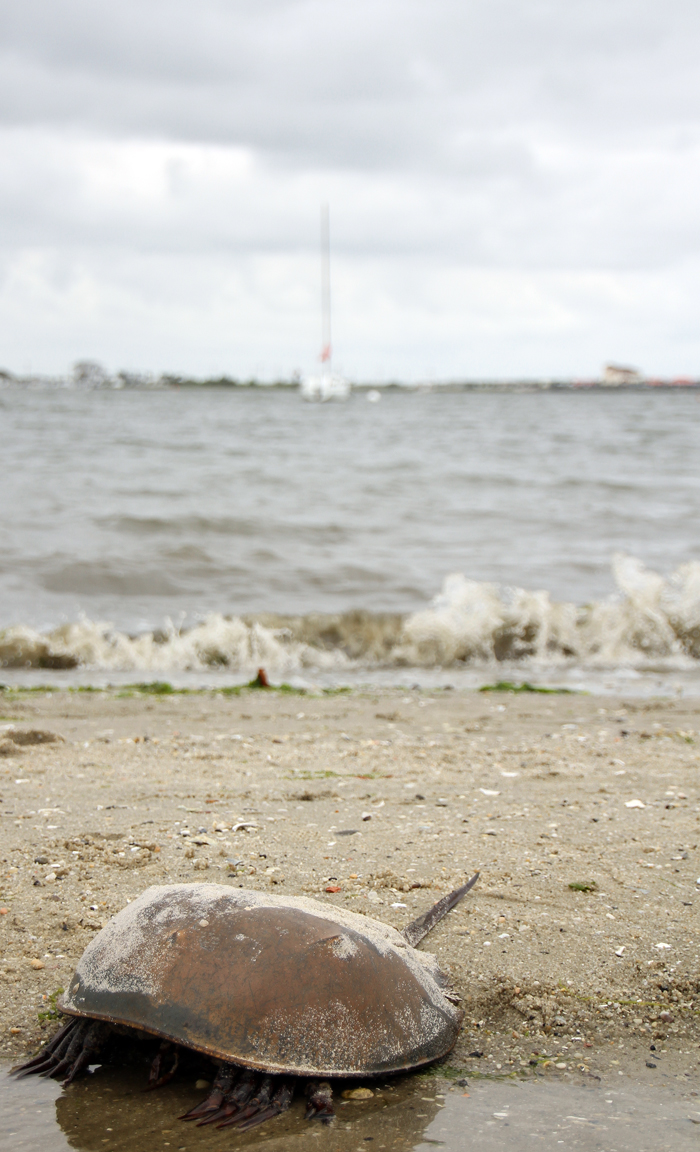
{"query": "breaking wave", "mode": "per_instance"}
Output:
(651, 620)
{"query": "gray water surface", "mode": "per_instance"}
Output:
(136, 506)
(531, 1115)
(109, 1111)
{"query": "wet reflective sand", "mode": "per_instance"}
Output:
(28, 1115)
(530, 1115)
(108, 1111)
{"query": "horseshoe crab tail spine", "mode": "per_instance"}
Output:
(417, 929)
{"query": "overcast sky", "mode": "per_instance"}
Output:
(514, 185)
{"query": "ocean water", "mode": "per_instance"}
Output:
(215, 530)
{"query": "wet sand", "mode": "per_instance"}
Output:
(390, 797)
(109, 1111)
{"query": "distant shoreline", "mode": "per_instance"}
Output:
(123, 381)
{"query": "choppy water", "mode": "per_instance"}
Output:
(109, 1111)
(158, 515)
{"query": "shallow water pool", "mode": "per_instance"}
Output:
(108, 1111)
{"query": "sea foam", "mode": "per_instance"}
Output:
(650, 620)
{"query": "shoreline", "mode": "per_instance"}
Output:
(538, 792)
(527, 677)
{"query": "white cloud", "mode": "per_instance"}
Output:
(513, 187)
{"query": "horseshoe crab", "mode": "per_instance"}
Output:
(270, 988)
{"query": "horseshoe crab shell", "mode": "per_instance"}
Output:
(282, 985)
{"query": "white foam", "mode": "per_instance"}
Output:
(650, 619)
(217, 642)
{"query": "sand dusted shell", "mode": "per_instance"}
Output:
(282, 985)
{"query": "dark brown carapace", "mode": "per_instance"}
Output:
(272, 989)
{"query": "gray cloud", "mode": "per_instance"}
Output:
(332, 80)
(536, 165)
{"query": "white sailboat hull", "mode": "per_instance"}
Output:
(328, 386)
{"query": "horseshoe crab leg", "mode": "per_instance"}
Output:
(49, 1055)
(157, 1077)
(257, 1103)
(320, 1101)
(280, 1103)
(75, 1046)
(234, 1100)
(32, 1066)
(94, 1038)
(223, 1083)
(72, 1052)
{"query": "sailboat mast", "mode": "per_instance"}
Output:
(325, 287)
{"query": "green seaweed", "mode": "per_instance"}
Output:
(52, 1013)
(154, 688)
(323, 774)
(510, 686)
(261, 684)
(583, 886)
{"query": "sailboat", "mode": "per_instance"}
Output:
(329, 385)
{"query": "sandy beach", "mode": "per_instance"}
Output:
(577, 950)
